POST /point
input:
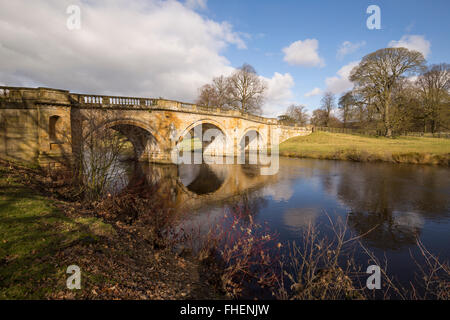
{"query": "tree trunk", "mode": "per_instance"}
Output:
(389, 132)
(387, 118)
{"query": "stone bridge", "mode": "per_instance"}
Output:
(48, 126)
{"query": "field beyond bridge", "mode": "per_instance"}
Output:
(340, 146)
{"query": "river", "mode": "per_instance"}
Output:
(400, 202)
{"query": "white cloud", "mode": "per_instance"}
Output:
(412, 79)
(347, 47)
(313, 92)
(279, 192)
(298, 218)
(413, 42)
(303, 53)
(340, 83)
(137, 48)
(196, 4)
(279, 94)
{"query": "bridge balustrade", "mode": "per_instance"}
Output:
(116, 101)
(18, 94)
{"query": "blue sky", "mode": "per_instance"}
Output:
(273, 25)
(168, 48)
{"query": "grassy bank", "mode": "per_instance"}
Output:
(41, 235)
(339, 146)
(32, 230)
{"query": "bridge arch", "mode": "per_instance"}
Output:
(251, 132)
(143, 137)
(132, 122)
(213, 146)
(204, 121)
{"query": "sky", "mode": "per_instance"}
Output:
(169, 49)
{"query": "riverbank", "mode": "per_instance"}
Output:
(339, 146)
(41, 234)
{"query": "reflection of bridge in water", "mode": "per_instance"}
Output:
(191, 186)
(305, 191)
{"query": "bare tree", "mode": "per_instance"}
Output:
(216, 94)
(207, 96)
(223, 89)
(247, 90)
(328, 105)
(98, 160)
(434, 85)
(298, 114)
(286, 119)
(377, 74)
(346, 104)
(319, 118)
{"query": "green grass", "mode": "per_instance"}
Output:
(32, 230)
(339, 146)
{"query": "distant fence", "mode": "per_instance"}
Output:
(369, 132)
(374, 132)
(445, 135)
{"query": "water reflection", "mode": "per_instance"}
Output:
(201, 179)
(401, 201)
(396, 198)
(297, 219)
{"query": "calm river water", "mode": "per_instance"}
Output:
(402, 201)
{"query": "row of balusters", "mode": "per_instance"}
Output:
(117, 100)
(4, 92)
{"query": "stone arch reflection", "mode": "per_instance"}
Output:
(187, 187)
(250, 171)
(202, 178)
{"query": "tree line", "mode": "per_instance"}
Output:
(394, 92)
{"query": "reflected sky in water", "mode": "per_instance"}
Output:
(403, 201)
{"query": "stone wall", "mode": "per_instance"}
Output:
(49, 126)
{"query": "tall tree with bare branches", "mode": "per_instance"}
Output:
(434, 85)
(328, 104)
(216, 94)
(346, 103)
(247, 90)
(299, 114)
(378, 73)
